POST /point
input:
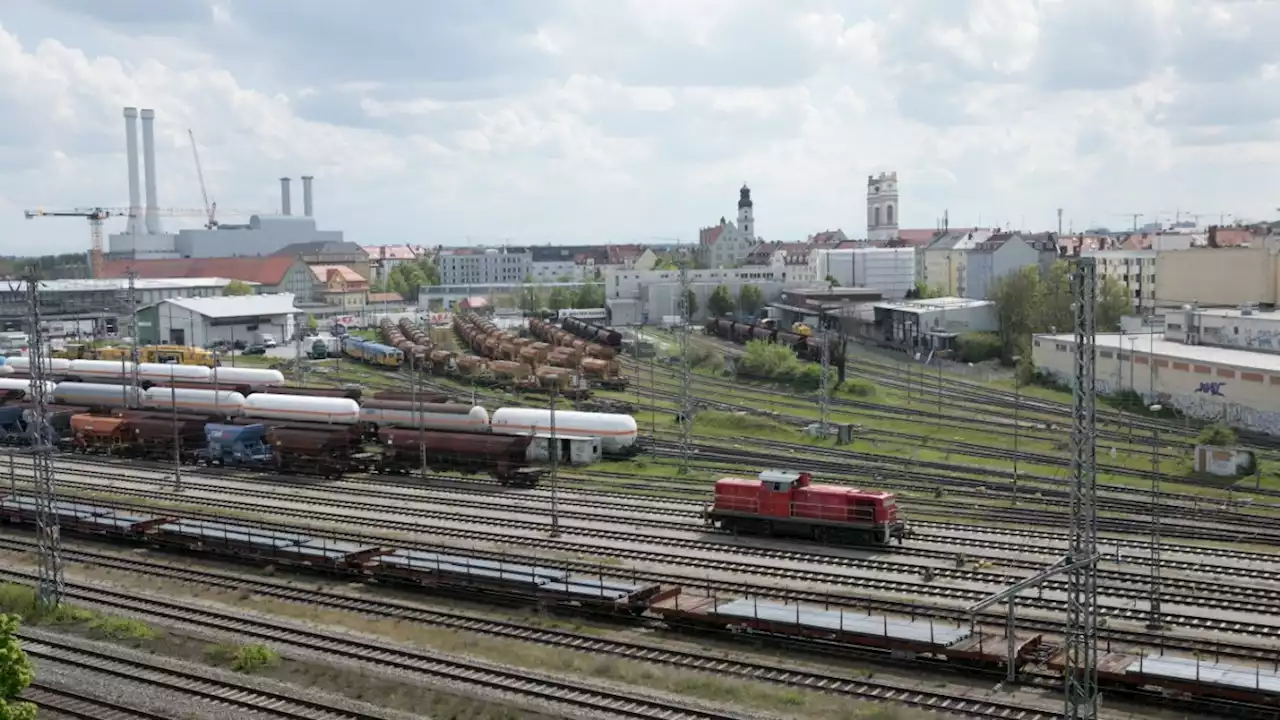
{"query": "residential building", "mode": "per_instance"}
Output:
(1134, 269)
(1222, 276)
(934, 323)
(891, 271)
(349, 254)
(828, 237)
(268, 275)
(726, 245)
(484, 266)
(341, 288)
(882, 207)
(560, 263)
(384, 258)
(941, 263)
(203, 321)
(645, 297)
(1003, 253)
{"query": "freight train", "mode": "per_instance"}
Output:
(954, 643)
(372, 353)
(521, 364)
(784, 503)
(596, 361)
(806, 347)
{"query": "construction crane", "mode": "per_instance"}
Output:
(95, 217)
(1135, 217)
(211, 209)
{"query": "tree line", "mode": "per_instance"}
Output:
(406, 278)
(533, 297)
(722, 302)
(1028, 302)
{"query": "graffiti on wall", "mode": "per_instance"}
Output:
(1253, 338)
(1198, 405)
(1212, 388)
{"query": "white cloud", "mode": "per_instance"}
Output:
(573, 120)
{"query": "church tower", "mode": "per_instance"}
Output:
(746, 221)
(882, 207)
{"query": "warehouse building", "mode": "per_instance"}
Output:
(932, 324)
(1239, 387)
(204, 321)
(92, 308)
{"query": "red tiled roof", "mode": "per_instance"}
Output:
(385, 297)
(618, 254)
(268, 270)
(826, 236)
(915, 238)
(1229, 237)
(322, 273)
(709, 236)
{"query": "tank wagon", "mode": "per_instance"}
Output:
(106, 371)
(618, 433)
(606, 336)
(785, 503)
(806, 347)
(520, 364)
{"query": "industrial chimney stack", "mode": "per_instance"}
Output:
(306, 195)
(135, 181)
(149, 164)
(286, 201)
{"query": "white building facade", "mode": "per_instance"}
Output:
(1134, 269)
(203, 321)
(483, 266)
(726, 245)
(892, 271)
(645, 297)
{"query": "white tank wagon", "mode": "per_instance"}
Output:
(24, 385)
(53, 366)
(147, 372)
(97, 395)
(203, 402)
(253, 377)
(617, 432)
(300, 408)
(6, 370)
(430, 416)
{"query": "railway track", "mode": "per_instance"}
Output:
(491, 678)
(1114, 585)
(828, 683)
(705, 566)
(161, 674)
(81, 706)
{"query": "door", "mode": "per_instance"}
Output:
(177, 336)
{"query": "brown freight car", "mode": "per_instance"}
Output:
(502, 456)
(325, 450)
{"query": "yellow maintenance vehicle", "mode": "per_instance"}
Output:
(177, 354)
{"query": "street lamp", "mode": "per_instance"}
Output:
(1154, 620)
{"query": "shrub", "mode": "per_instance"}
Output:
(118, 628)
(252, 658)
(1217, 434)
(975, 347)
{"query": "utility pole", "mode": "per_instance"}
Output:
(1155, 619)
(1081, 641)
(825, 388)
(554, 448)
(686, 372)
(177, 449)
(48, 533)
(419, 416)
(297, 354)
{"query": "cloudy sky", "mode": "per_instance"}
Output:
(454, 121)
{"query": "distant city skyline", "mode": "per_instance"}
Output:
(571, 123)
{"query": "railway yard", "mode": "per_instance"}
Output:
(261, 588)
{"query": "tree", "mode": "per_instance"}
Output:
(750, 299)
(312, 323)
(407, 277)
(922, 291)
(720, 302)
(590, 295)
(691, 304)
(831, 282)
(1113, 304)
(560, 299)
(1055, 307)
(238, 287)
(1017, 296)
(528, 299)
(15, 672)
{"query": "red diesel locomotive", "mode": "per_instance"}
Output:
(786, 503)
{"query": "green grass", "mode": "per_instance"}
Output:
(247, 659)
(21, 600)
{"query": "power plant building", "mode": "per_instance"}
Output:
(262, 235)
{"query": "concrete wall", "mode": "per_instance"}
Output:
(1217, 276)
(264, 236)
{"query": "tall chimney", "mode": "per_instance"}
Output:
(149, 164)
(306, 195)
(286, 202)
(135, 181)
